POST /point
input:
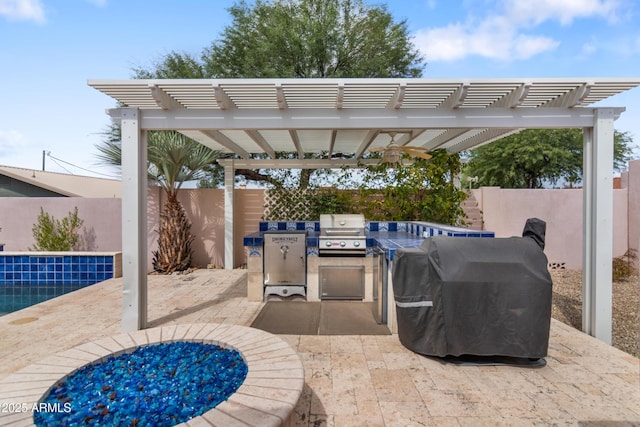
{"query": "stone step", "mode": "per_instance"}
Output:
(474, 219)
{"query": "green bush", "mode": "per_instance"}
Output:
(52, 234)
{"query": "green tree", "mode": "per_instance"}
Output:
(173, 159)
(312, 39)
(535, 157)
(298, 38)
(52, 234)
(421, 191)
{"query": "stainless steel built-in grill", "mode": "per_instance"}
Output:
(342, 235)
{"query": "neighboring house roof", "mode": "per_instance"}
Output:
(66, 184)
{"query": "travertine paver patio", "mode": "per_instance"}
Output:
(355, 380)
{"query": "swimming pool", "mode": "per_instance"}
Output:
(28, 278)
(17, 297)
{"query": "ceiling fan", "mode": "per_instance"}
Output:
(392, 153)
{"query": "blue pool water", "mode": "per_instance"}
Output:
(30, 278)
(155, 385)
(17, 297)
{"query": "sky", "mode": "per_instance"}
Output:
(50, 48)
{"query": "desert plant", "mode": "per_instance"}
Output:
(56, 235)
(624, 266)
(173, 160)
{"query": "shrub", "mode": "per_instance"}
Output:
(52, 234)
(623, 266)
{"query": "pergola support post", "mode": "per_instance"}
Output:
(134, 221)
(598, 226)
(229, 180)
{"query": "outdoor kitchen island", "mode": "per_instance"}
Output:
(373, 265)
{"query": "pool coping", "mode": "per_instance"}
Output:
(267, 396)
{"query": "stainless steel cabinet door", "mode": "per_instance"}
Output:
(285, 259)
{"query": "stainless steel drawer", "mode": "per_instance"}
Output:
(341, 282)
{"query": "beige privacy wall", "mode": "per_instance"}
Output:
(102, 221)
(505, 212)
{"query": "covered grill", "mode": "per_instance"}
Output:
(481, 297)
(342, 235)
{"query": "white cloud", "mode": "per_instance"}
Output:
(525, 47)
(564, 11)
(22, 10)
(494, 38)
(445, 44)
(504, 32)
(9, 141)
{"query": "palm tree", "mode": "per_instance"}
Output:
(172, 160)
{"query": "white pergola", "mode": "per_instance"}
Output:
(350, 116)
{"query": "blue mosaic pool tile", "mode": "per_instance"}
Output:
(291, 226)
(373, 226)
(70, 270)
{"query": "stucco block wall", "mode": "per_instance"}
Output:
(101, 228)
(103, 221)
(205, 209)
(632, 184)
(505, 212)
(249, 209)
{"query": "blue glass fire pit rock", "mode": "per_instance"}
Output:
(155, 385)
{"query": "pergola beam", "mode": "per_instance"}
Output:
(296, 163)
(365, 118)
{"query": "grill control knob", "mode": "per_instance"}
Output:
(343, 244)
(356, 244)
(328, 244)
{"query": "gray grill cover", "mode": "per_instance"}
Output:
(464, 296)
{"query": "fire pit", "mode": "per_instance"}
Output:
(267, 396)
